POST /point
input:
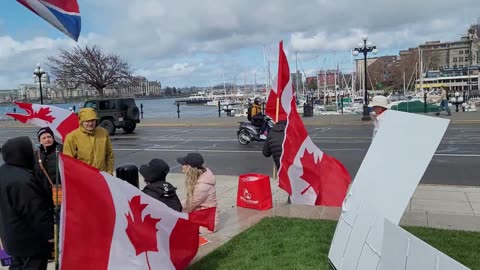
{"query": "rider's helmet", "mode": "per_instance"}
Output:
(257, 101)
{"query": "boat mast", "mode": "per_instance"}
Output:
(224, 84)
(296, 68)
(255, 82)
(245, 82)
(335, 76)
(318, 79)
(420, 52)
(234, 79)
(325, 87)
(266, 68)
(353, 92)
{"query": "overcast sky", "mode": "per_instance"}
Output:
(185, 43)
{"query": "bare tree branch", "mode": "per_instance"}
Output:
(89, 66)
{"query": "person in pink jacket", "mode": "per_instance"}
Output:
(200, 186)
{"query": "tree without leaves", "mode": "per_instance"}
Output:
(409, 67)
(311, 83)
(90, 66)
(431, 60)
(474, 28)
(385, 73)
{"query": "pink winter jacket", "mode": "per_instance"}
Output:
(204, 196)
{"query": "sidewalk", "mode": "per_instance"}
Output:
(346, 119)
(446, 207)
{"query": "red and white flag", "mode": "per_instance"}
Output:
(306, 173)
(59, 120)
(109, 224)
(273, 104)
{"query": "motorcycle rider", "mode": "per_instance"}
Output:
(257, 118)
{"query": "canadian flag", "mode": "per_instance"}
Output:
(59, 120)
(273, 104)
(109, 224)
(306, 173)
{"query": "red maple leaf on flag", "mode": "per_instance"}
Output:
(44, 114)
(310, 174)
(142, 233)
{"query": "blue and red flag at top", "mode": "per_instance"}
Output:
(63, 14)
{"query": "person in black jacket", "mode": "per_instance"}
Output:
(26, 209)
(46, 154)
(46, 161)
(273, 143)
(155, 174)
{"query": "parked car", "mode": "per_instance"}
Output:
(115, 113)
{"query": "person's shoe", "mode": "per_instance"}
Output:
(263, 137)
(437, 113)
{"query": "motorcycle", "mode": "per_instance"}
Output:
(248, 132)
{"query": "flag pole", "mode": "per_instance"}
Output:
(56, 216)
(277, 107)
(276, 120)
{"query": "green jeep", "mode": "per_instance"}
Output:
(116, 113)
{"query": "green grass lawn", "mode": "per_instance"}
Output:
(289, 243)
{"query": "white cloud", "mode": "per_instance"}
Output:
(195, 42)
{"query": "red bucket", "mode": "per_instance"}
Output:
(254, 191)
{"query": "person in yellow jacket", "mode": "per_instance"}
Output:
(89, 143)
(257, 118)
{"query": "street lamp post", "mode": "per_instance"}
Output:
(38, 73)
(365, 48)
(458, 100)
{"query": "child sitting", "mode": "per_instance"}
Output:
(155, 173)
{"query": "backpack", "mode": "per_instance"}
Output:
(249, 112)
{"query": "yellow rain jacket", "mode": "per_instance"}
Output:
(92, 147)
(255, 110)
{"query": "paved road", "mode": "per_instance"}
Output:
(455, 162)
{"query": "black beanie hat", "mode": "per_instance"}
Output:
(43, 131)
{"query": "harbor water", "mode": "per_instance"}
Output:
(152, 108)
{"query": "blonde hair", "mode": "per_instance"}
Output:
(191, 177)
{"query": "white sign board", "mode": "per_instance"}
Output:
(403, 251)
(393, 166)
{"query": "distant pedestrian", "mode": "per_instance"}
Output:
(379, 106)
(89, 143)
(155, 174)
(200, 186)
(14, 111)
(443, 99)
(26, 208)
